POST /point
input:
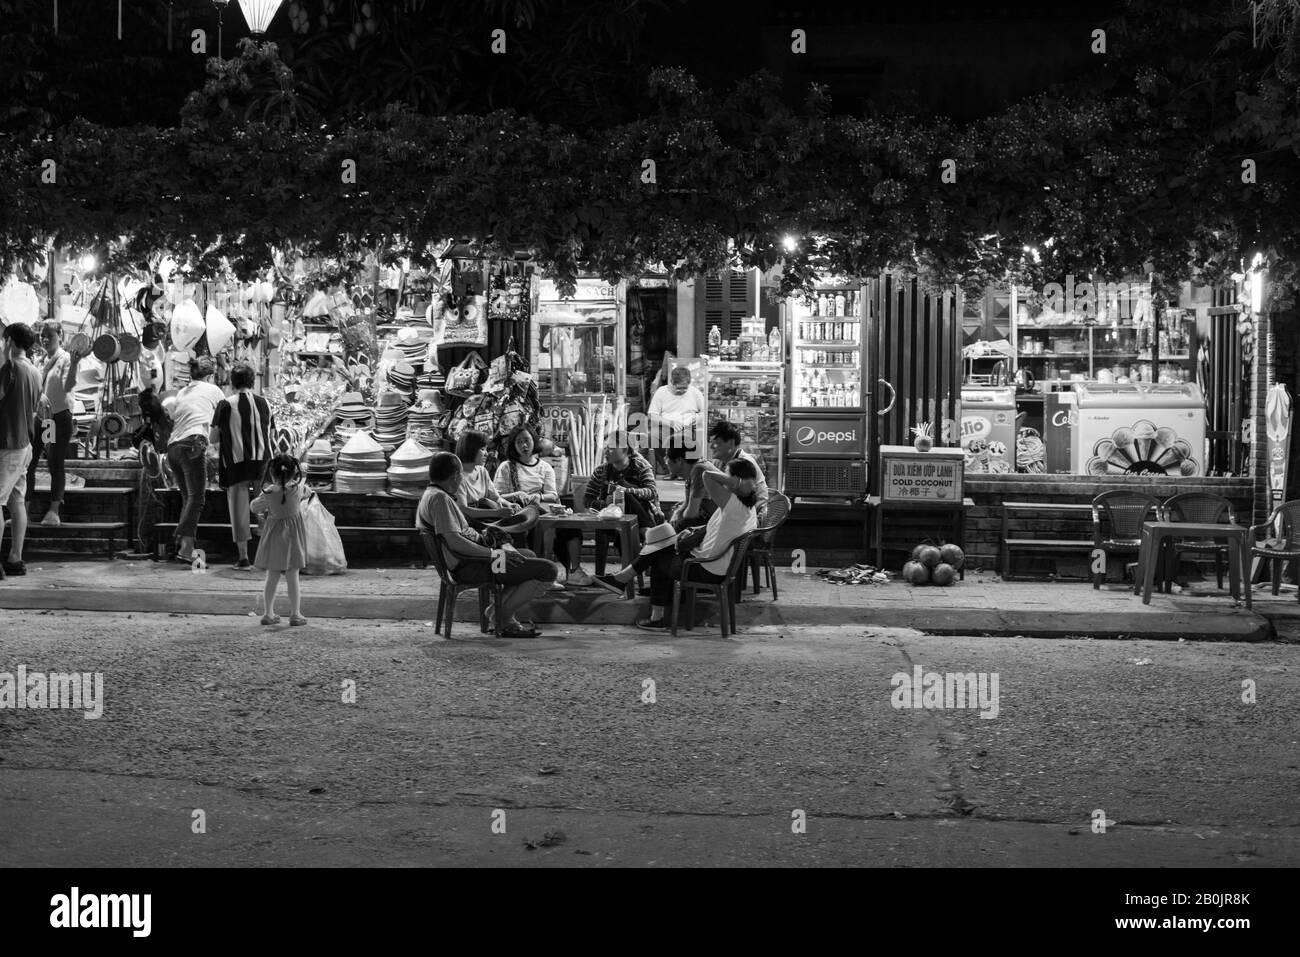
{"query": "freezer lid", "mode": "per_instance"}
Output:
(988, 395)
(1138, 395)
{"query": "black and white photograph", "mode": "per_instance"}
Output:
(650, 434)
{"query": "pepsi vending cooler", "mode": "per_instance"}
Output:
(826, 455)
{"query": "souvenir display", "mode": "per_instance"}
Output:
(408, 472)
(362, 467)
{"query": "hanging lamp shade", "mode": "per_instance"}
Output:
(259, 13)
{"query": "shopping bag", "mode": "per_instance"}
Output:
(324, 546)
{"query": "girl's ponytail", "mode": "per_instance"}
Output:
(282, 470)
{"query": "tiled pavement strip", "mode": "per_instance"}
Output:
(982, 604)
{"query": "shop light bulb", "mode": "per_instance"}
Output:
(1257, 283)
(790, 243)
(88, 262)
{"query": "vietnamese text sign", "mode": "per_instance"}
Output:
(921, 478)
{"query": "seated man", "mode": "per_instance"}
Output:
(733, 494)
(724, 446)
(525, 575)
(625, 468)
(676, 421)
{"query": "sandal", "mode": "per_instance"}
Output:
(271, 619)
(297, 620)
(518, 631)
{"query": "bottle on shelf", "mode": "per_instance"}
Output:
(715, 342)
(774, 345)
(839, 304)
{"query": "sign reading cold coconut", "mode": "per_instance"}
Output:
(933, 477)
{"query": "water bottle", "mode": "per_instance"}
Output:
(618, 497)
(715, 341)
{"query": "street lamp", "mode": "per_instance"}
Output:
(221, 8)
(259, 14)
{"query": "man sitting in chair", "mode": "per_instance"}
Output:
(665, 550)
(467, 554)
(724, 447)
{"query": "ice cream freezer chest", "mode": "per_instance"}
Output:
(988, 428)
(1139, 429)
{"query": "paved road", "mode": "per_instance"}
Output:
(248, 725)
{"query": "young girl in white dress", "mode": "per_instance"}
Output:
(283, 544)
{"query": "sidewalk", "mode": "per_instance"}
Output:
(980, 605)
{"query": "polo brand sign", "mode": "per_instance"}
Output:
(975, 427)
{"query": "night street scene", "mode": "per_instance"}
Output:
(650, 434)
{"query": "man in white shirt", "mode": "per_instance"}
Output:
(58, 371)
(192, 411)
(677, 415)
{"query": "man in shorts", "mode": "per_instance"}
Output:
(20, 391)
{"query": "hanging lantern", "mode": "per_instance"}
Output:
(259, 14)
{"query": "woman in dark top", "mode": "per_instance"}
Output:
(244, 421)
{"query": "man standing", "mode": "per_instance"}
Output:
(20, 392)
(59, 374)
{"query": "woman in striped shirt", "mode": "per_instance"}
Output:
(244, 421)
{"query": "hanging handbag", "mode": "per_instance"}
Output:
(465, 376)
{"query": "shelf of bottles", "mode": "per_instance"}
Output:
(1113, 342)
(826, 349)
(746, 384)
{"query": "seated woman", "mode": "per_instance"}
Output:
(478, 497)
(525, 478)
(733, 494)
(525, 575)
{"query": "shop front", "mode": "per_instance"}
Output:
(1085, 388)
(1049, 401)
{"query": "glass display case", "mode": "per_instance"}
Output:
(1112, 338)
(578, 342)
(752, 395)
(826, 343)
(986, 348)
(576, 360)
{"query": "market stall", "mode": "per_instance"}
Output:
(1100, 389)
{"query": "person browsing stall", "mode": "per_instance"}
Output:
(192, 411)
(468, 554)
(244, 422)
(20, 393)
(58, 371)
